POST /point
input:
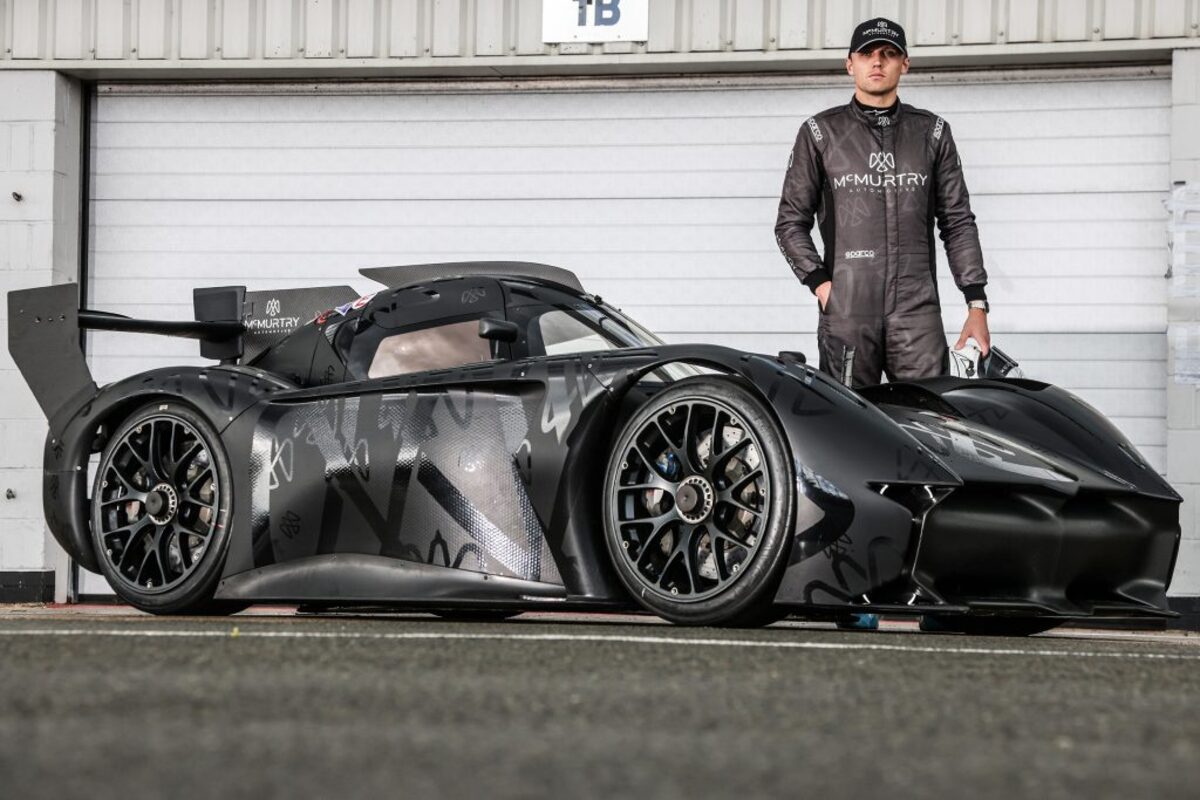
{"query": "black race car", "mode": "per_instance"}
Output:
(487, 438)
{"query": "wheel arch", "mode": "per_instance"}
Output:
(722, 372)
(218, 394)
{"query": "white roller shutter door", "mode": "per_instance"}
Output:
(662, 201)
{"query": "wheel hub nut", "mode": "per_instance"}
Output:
(161, 503)
(694, 499)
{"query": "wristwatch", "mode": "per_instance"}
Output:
(979, 304)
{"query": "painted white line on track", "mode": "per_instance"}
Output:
(237, 633)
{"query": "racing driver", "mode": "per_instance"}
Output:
(875, 174)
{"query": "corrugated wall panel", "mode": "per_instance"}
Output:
(406, 34)
(196, 25)
(793, 24)
(1072, 20)
(1120, 19)
(750, 29)
(380, 31)
(529, 27)
(362, 24)
(979, 24)
(1171, 18)
(932, 23)
(1024, 22)
(112, 29)
(278, 16)
(447, 28)
(72, 28)
(320, 29)
(707, 17)
(29, 28)
(664, 25)
(155, 28)
(490, 29)
(238, 28)
(840, 19)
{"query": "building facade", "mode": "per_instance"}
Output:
(150, 146)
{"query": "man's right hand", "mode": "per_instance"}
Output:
(822, 293)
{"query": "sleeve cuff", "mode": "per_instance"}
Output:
(815, 278)
(974, 292)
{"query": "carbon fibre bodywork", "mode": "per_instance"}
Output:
(480, 485)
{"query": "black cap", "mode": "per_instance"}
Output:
(878, 30)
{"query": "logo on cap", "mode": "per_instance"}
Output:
(882, 23)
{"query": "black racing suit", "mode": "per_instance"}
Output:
(876, 183)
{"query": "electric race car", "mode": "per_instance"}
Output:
(487, 438)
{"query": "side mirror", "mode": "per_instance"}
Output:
(498, 330)
(792, 357)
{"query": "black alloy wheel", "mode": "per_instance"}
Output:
(160, 510)
(697, 500)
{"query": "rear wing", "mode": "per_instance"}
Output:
(231, 324)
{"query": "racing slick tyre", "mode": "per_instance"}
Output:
(697, 504)
(987, 626)
(161, 505)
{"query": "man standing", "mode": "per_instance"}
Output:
(875, 174)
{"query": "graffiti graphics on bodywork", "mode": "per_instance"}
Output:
(569, 385)
(289, 524)
(281, 462)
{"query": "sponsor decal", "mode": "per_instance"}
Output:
(473, 295)
(272, 324)
(937, 128)
(816, 131)
(859, 254)
(344, 309)
(882, 162)
(904, 179)
(323, 317)
(881, 28)
(361, 302)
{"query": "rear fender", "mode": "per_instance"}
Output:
(221, 394)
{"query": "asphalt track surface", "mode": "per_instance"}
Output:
(115, 704)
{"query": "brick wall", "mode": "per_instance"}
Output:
(39, 244)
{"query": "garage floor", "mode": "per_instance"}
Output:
(104, 702)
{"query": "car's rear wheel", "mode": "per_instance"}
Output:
(697, 502)
(161, 505)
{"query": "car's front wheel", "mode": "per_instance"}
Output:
(161, 505)
(697, 503)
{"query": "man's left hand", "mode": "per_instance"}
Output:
(976, 328)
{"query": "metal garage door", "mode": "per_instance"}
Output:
(662, 200)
